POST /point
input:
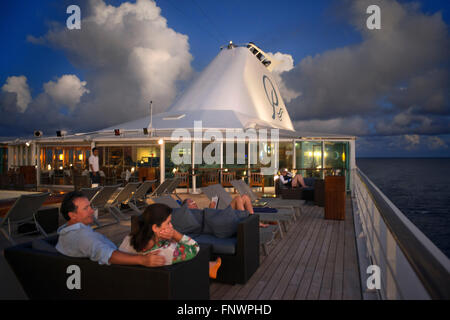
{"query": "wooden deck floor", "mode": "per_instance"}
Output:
(316, 259)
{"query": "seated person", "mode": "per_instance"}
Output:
(155, 234)
(77, 239)
(289, 180)
(243, 203)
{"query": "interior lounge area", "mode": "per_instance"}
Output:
(66, 165)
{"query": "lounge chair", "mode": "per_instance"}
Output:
(172, 188)
(284, 214)
(23, 211)
(100, 203)
(266, 235)
(137, 201)
(277, 203)
(124, 196)
(167, 200)
(161, 189)
(90, 192)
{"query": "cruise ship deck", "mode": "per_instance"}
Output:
(315, 259)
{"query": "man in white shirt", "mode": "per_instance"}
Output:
(94, 166)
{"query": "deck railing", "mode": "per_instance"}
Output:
(410, 265)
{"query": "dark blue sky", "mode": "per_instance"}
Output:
(300, 29)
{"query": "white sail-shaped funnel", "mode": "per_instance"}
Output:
(237, 80)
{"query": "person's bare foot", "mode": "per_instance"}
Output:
(214, 267)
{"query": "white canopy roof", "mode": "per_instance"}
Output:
(236, 90)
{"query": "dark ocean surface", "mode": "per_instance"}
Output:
(420, 188)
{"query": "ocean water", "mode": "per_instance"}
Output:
(420, 188)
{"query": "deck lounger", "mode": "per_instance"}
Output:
(124, 196)
(167, 200)
(137, 202)
(283, 215)
(172, 187)
(90, 192)
(23, 211)
(277, 203)
(266, 235)
(161, 189)
(100, 202)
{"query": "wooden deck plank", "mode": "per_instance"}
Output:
(316, 282)
(302, 221)
(338, 277)
(301, 245)
(243, 291)
(351, 283)
(266, 270)
(308, 274)
(327, 281)
(291, 249)
(294, 284)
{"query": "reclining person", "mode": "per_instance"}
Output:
(77, 239)
(289, 180)
(242, 203)
(154, 233)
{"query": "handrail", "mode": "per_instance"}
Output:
(429, 264)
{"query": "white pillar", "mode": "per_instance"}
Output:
(38, 163)
(20, 156)
(162, 160)
(10, 156)
(294, 156)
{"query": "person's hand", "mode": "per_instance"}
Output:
(166, 234)
(152, 259)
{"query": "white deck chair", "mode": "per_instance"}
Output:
(138, 200)
(276, 203)
(23, 211)
(124, 196)
(100, 202)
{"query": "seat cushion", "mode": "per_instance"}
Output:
(221, 223)
(184, 221)
(42, 245)
(219, 245)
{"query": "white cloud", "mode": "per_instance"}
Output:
(436, 143)
(128, 56)
(67, 90)
(19, 86)
(412, 141)
(351, 126)
(410, 50)
(284, 63)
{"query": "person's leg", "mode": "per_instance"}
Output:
(214, 267)
(247, 203)
(237, 203)
(298, 181)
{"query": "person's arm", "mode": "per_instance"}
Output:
(186, 248)
(152, 259)
(283, 181)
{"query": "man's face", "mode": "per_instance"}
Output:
(96, 153)
(191, 204)
(83, 212)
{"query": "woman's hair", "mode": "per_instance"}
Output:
(142, 232)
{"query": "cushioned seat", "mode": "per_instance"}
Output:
(219, 245)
